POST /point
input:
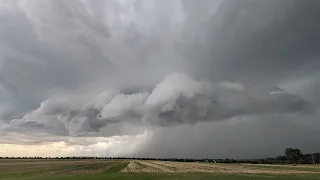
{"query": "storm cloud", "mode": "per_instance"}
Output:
(198, 76)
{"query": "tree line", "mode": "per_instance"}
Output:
(291, 156)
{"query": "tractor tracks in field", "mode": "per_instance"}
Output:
(185, 167)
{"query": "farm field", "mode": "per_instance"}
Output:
(134, 170)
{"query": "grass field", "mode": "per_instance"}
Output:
(134, 170)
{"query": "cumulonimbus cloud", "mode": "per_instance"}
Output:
(106, 67)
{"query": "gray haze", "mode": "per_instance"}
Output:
(207, 78)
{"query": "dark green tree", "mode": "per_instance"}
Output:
(294, 155)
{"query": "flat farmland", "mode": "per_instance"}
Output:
(164, 170)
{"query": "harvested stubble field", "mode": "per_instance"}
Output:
(124, 169)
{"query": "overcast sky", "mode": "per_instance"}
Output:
(159, 78)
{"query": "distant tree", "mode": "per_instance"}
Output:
(294, 155)
(281, 159)
(312, 159)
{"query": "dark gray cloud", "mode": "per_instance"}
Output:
(254, 41)
(188, 71)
